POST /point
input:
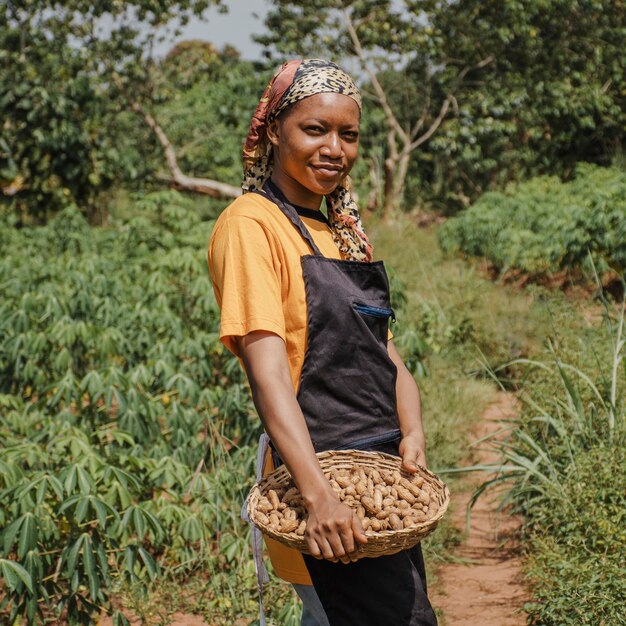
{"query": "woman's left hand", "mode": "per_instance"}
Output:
(412, 453)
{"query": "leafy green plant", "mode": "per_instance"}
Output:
(544, 225)
(119, 413)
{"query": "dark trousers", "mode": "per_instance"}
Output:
(383, 591)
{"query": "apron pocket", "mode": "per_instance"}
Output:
(374, 311)
(376, 319)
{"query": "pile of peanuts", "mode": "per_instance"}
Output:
(383, 500)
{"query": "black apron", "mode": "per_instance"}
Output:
(347, 393)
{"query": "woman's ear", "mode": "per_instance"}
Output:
(272, 132)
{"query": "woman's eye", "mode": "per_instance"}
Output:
(351, 135)
(314, 129)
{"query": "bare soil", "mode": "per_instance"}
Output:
(485, 586)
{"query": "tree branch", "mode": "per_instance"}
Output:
(450, 99)
(419, 123)
(380, 92)
(206, 186)
(431, 129)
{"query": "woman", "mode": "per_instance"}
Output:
(307, 311)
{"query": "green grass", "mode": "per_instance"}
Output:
(464, 319)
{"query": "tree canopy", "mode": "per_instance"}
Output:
(509, 88)
(61, 140)
(460, 97)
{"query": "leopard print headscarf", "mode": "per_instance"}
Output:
(295, 81)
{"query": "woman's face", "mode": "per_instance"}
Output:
(315, 146)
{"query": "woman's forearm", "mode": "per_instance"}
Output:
(413, 448)
(333, 528)
(265, 360)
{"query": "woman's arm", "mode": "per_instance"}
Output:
(413, 444)
(332, 527)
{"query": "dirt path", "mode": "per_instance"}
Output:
(486, 588)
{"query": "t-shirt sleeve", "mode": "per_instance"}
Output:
(246, 279)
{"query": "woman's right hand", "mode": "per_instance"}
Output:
(333, 530)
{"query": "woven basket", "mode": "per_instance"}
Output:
(379, 543)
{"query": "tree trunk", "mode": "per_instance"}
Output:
(395, 176)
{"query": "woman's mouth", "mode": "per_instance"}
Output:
(328, 171)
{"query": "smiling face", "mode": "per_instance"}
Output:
(315, 145)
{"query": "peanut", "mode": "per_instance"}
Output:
(288, 525)
(273, 498)
(274, 521)
(378, 499)
(264, 505)
(344, 481)
(369, 504)
(405, 494)
(395, 522)
(414, 489)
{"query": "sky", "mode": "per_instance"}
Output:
(244, 18)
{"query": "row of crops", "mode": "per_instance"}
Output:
(119, 412)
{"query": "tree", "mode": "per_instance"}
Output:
(469, 94)
(552, 97)
(59, 97)
(382, 37)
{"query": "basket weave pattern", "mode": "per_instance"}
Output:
(379, 543)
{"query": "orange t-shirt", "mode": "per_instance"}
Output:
(254, 263)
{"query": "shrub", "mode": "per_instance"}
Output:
(545, 225)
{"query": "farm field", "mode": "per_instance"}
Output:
(129, 433)
(491, 178)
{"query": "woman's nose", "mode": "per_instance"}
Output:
(332, 146)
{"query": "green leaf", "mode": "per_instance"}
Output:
(89, 562)
(28, 535)
(148, 561)
(14, 574)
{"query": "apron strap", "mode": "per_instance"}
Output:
(275, 195)
(262, 577)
